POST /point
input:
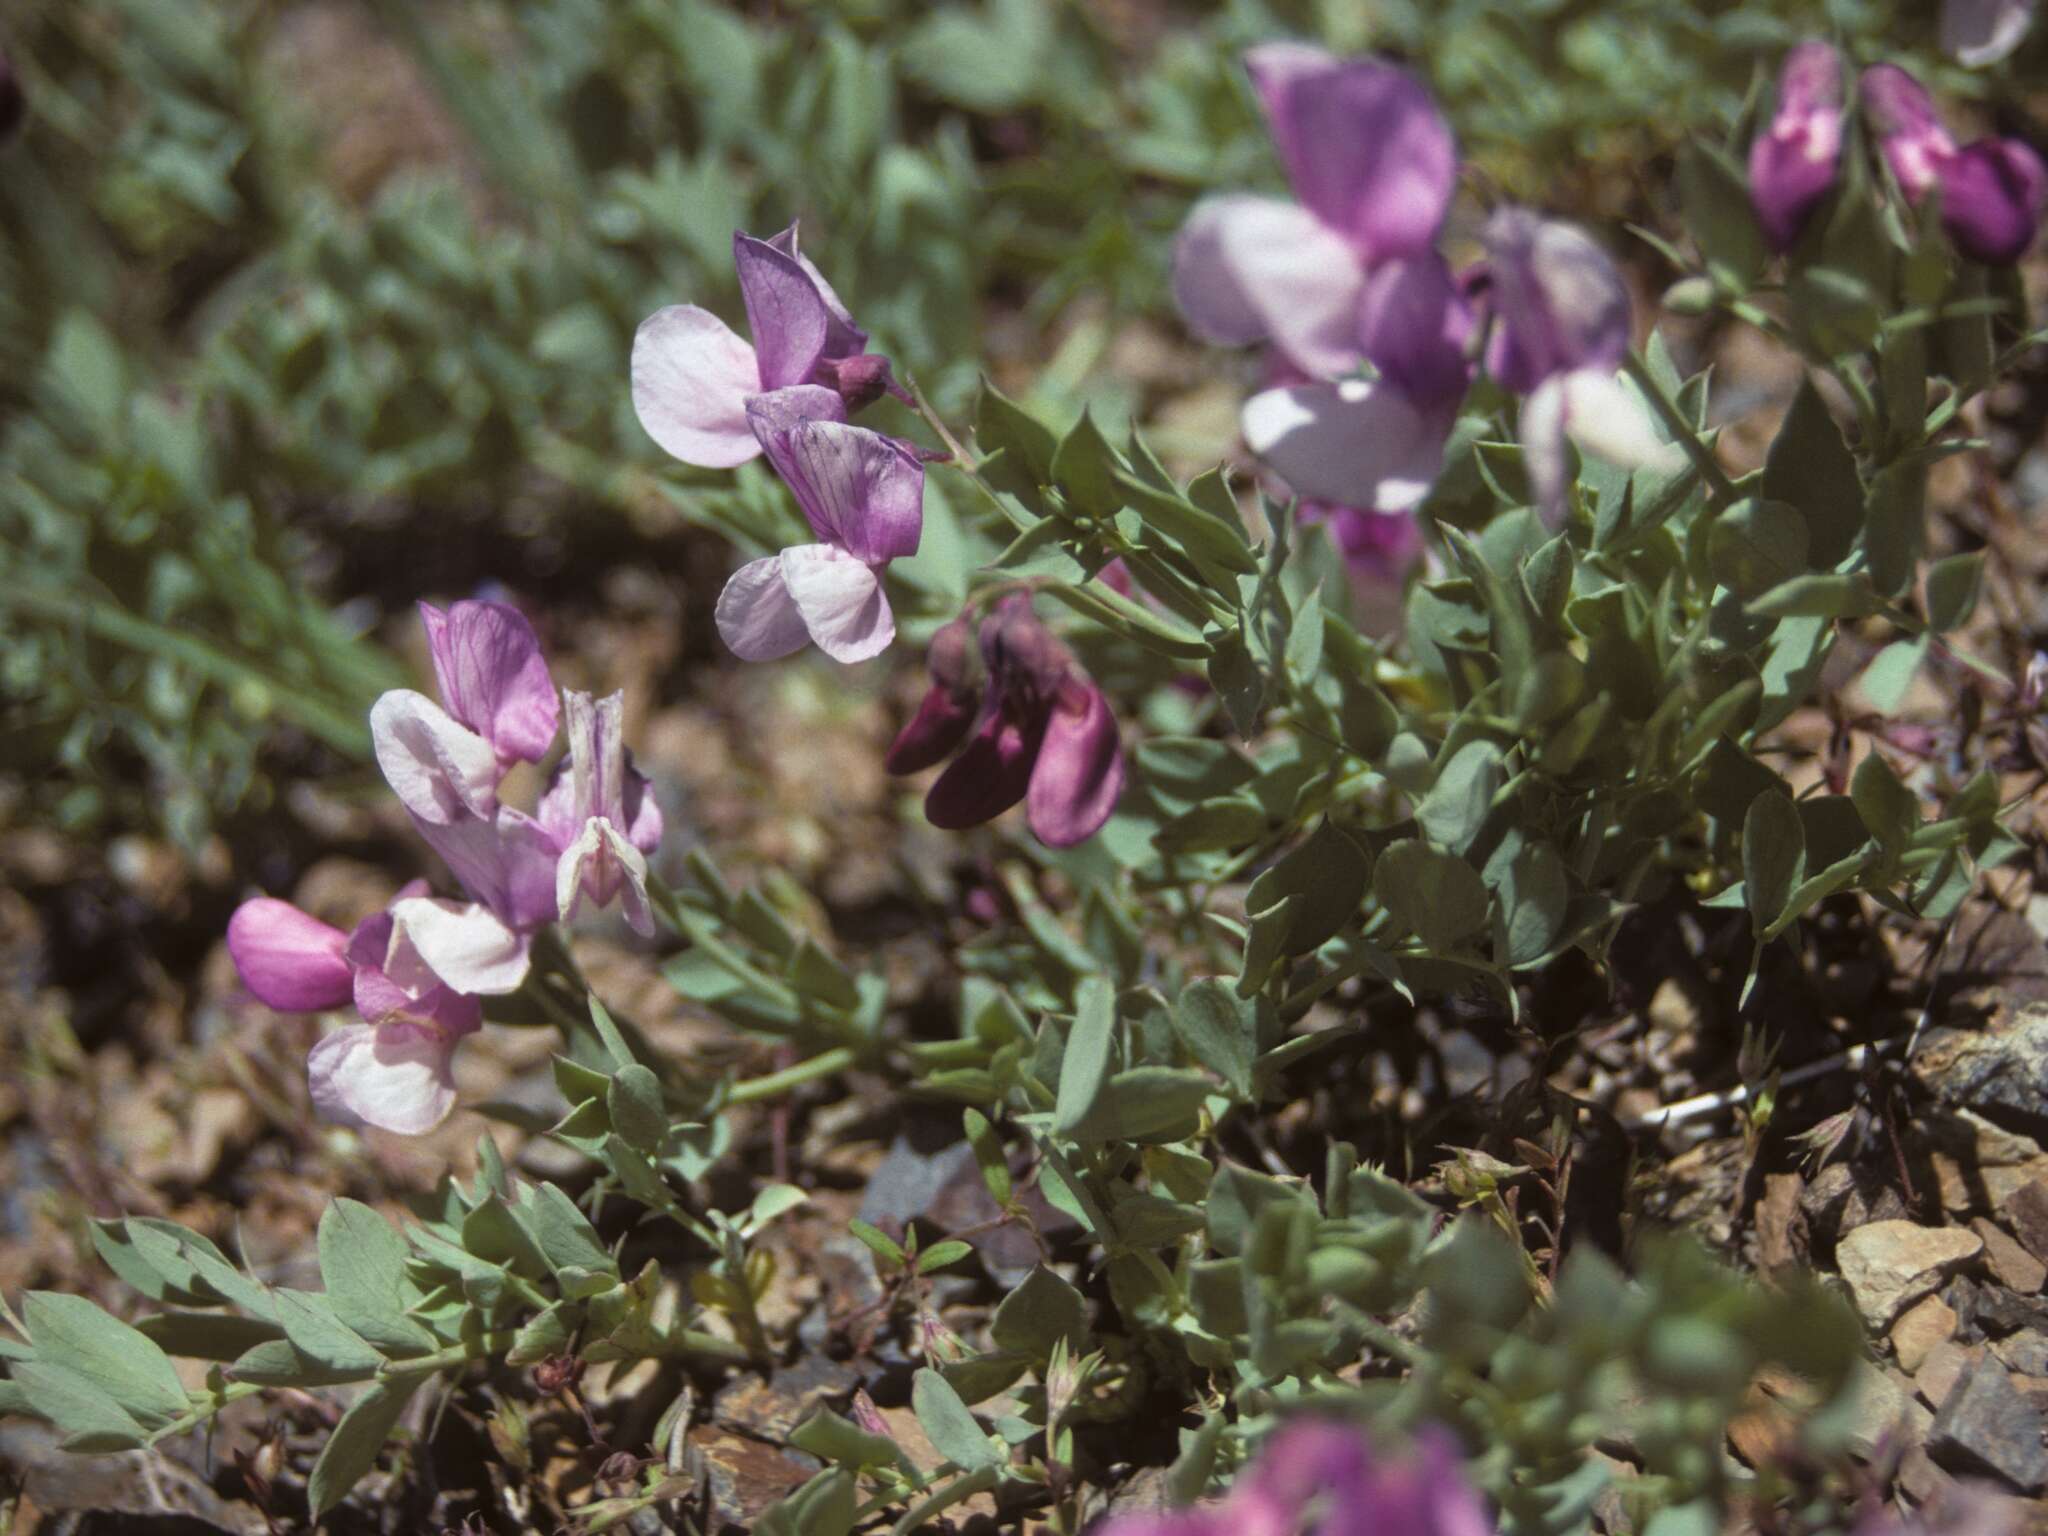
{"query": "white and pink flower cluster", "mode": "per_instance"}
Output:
(1349, 276)
(417, 971)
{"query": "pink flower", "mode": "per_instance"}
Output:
(692, 377)
(1992, 190)
(1792, 162)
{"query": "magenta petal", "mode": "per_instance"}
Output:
(1792, 163)
(1352, 443)
(493, 678)
(1251, 269)
(1980, 32)
(1991, 198)
(941, 723)
(989, 776)
(691, 380)
(784, 311)
(644, 825)
(1559, 302)
(398, 1077)
(757, 618)
(842, 337)
(1414, 323)
(289, 961)
(1908, 128)
(1080, 769)
(1365, 147)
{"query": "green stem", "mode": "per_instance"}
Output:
(1719, 486)
(824, 1064)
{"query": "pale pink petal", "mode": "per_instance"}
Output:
(1544, 456)
(1609, 420)
(691, 380)
(397, 1077)
(1354, 443)
(757, 617)
(465, 944)
(603, 866)
(1980, 32)
(841, 601)
(1251, 269)
(288, 960)
(643, 817)
(441, 771)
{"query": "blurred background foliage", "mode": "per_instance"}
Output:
(308, 307)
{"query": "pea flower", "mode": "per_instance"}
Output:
(1792, 163)
(1041, 732)
(692, 377)
(863, 495)
(1373, 166)
(1560, 329)
(417, 971)
(1376, 443)
(1321, 1479)
(394, 1069)
(1980, 32)
(1992, 190)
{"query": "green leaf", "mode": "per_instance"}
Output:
(608, 1033)
(1831, 595)
(952, 1428)
(562, 1232)
(1457, 804)
(72, 1334)
(989, 1155)
(637, 1110)
(1038, 1314)
(939, 1255)
(1534, 895)
(1219, 1031)
(1000, 424)
(1213, 543)
(1810, 468)
(1895, 534)
(207, 1335)
(824, 1506)
(544, 1334)
(87, 1416)
(1147, 1104)
(1889, 810)
(1085, 1065)
(1756, 545)
(362, 1264)
(352, 1449)
(1235, 675)
(1773, 857)
(1714, 192)
(316, 1333)
(1085, 469)
(879, 1243)
(1952, 587)
(1890, 674)
(829, 1437)
(1435, 895)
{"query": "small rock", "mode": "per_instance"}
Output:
(1884, 1414)
(1889, 1264)
(1985, 1425)
(1780, 1224)
(2026, 1352)
(1919, 1478)
(1943, 1368)
(2026, 1211)
(1928, 1322)
(2003, 1067)
(2011, 1263)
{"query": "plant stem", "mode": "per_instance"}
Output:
(1719, 486)
(824, 1064)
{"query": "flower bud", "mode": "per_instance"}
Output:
(867, 1415)
(1792, 163)
(1992, 193)
(946, 713)
(861, 379)
(1909, 130)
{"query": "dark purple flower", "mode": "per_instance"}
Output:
(1792, 162)
(692, 377)
(1373, 165)
(1992, 191)
(1044, 735)
(946, 713)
